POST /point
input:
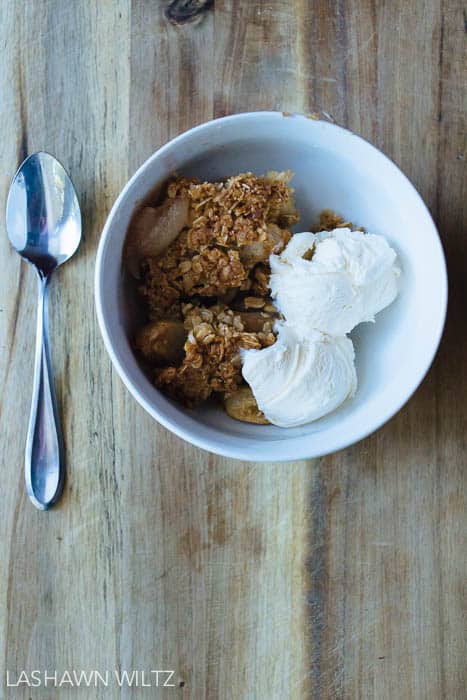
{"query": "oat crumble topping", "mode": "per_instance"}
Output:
(206, 287)
(212, 353)
(212, 277)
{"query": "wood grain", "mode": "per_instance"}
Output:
(339, 577)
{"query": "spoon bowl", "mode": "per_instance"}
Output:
(43, 217)
(43, 221)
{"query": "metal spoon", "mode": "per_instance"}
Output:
(43, 221)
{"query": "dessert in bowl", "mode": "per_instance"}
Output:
(333, 169)
(238, 308)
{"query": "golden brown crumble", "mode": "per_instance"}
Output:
(329, 220)
(212, 360)
(202, 261)
(236, 212)
(260, 280)
(212, 277)
(234, 227)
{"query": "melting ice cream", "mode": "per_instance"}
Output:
(324, 284)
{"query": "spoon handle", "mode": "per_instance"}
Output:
(44, 464)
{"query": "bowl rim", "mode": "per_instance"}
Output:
(237, 450)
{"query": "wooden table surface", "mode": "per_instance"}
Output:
(338, 577)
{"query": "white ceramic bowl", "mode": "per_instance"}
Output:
(333, 169)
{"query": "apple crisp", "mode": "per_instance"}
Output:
(201, 261)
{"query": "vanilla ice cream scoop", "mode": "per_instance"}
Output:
(333, 280)
(300, 379)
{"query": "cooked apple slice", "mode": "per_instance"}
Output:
(153, 229)
(242, 406)
(254, 321)
(275, 241)
(162, 342)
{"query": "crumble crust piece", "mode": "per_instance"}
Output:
(212, 353)
(214, 278)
